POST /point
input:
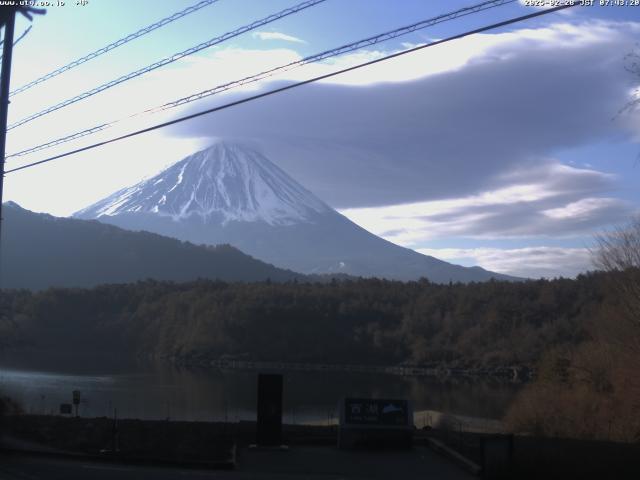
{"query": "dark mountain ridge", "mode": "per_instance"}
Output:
(39, 251)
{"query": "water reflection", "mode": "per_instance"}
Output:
(160, 391)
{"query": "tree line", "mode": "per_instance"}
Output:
(365, 321)
(591, 389)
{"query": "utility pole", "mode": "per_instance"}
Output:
(8, 21)
(7, 51)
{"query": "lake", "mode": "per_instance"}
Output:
(152, 391)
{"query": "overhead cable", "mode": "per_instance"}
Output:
(296, 85)
(116, 44)
(382, 37)
(165, 61)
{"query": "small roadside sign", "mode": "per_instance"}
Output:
(375, 412)
(375, 422)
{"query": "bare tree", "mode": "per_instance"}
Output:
(592, 390)
(632, 65)
(618, 251)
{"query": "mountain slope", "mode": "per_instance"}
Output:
(230, 193)
(222, 184)
(39, 251)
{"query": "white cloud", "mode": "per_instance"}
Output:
(277, 36)
(220, 65)
(441, 123)
(557, 200)
(189, 75)
(414, 140)
(530, 262)
(582, 208)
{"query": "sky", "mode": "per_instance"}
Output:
(508, 149)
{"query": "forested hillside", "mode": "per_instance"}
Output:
(356, 321)
(40, 251)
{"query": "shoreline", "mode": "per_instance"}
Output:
(515, 373)
(29, 357)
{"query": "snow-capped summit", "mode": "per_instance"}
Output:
(225, 182)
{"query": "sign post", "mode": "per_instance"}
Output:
(76, 400)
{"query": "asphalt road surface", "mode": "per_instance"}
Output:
(319, 463)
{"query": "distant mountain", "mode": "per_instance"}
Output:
(218, 186)
(39, 251)
(231, 193)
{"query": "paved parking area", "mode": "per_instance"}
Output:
(320, 463)
(329, 462)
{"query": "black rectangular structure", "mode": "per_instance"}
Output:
(269, 427)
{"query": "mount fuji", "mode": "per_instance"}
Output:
(231, 193)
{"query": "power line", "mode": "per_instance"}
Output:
(382, 37)
(165, 61)
(297, 84)
(22, 35)
(283, 68)
(116, 44)
(15, 42)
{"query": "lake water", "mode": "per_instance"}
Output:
(161, 391)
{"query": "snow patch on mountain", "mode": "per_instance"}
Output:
(225, 182)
